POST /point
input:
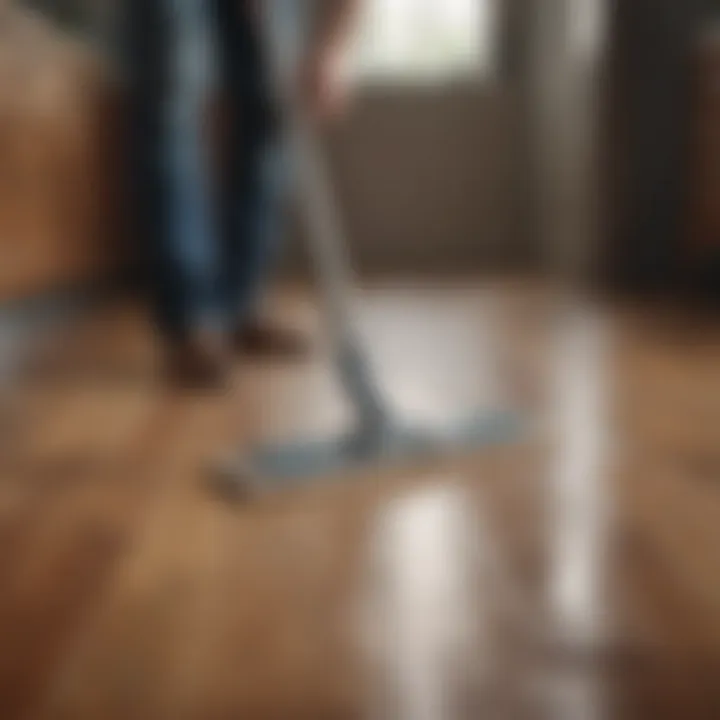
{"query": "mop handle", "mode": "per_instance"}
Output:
(325, 233)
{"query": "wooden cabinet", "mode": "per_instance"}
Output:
(59, 170)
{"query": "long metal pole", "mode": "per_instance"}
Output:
(326, 237)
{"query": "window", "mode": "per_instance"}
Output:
(421, 40)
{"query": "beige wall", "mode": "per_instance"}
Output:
(426, 177)
(478, 175)
(439, 177)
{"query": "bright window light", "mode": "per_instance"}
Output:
(408, 40)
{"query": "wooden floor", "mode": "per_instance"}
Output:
(128, 589)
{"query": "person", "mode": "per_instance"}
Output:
(209, 244)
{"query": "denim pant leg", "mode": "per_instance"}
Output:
(170, 62)
(255, 177)
(253, 207)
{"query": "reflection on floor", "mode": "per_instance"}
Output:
(571, 575)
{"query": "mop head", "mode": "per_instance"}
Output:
(282, 466)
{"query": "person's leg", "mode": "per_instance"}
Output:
(168, 54)
(255, 168)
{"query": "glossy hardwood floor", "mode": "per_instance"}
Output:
(128, 589)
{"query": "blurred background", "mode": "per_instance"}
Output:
(531, 190)
(483, 87)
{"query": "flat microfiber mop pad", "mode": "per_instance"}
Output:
(280, 466)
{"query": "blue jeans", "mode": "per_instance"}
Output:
(207, 244)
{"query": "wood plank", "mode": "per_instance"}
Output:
(130, 590)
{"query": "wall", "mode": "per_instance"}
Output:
(436, 178)
(426, 177)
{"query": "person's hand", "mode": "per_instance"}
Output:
(324, 86)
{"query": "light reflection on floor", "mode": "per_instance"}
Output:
(429, 608)
(579, 506)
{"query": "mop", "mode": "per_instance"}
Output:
(379, 437)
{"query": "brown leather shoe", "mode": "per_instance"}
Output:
(201, 362)
(263, 339)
